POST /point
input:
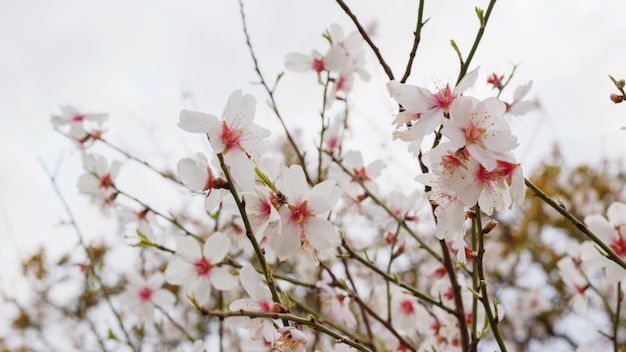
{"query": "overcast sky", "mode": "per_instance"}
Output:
(135, 59)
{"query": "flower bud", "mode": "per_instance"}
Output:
(616, 98)
(489, 226)
(620, 84)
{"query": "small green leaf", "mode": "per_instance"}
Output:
(111, 336)
(481, 15)
(456, 49)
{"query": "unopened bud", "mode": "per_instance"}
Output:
(489, 225)
(616, 98)
(620, 84)
(399, 251)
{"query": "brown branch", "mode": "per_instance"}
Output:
(367, 38)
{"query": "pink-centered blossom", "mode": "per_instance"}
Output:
(423, 110)
(83, 126)
(142, 295)
(199, 266)
(480, 128)
(303, 217)
(260, 300)
(197, 174)
(98, 180)
(612, 232)
(235, 136)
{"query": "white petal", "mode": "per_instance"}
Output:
(298, 62)
(323, 196)
(155, 281)
(201, 290)
(222, 279)
(467, 81)
(601, 227)
(163, 298)
(293, 181)
(253, 283)
(322, 234)
(179, 272)
(188, 249)
(216, 247)
(617, 213)
(195, 121)
(193, 173)
(239, 108)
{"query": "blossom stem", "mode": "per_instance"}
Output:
(366, 320)
(417, 36)
(375, 199)
(620, 296)
(459, 311)
(394, 279)
(270, 93)
(476, 228)
(92, 263)
(609, 253)
(159, 214)
(391, 257)
(310, 322)
(387, 325)
(481, 30)
(367, 38)
(267, 272)
(484, 296)
(175, 323)
(323, 130)
(166, 175)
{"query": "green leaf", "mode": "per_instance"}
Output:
(456, 49)
(111, 336)
(481, 15)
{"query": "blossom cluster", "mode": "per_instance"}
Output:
(309, 253)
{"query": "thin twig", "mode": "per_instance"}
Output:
(270, 93)
(367, 39)
(610, 254)
(81, 241)
(417, 36)
(310, 322)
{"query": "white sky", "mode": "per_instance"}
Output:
(133, 59)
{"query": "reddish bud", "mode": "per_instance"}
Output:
(616, 98)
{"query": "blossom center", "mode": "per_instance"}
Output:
(231, 137)
(203, 267)
(78, 118)
(299, 213)
(318, 65)
(360, 175)
(444, 98)
(474, 134)
(619, 246)
(106, 181)
(406, 306)
(145, 294)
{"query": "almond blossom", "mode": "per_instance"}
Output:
(99, 178)
(235, 136)
(518, 106)
(199, 267)
(470, 182)
(353, 161)
(82, 125)
(260, 301)
(480, 128)
(303, 217)
(611, 231)
(422, 110)
(143, 294)
(197, 174)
